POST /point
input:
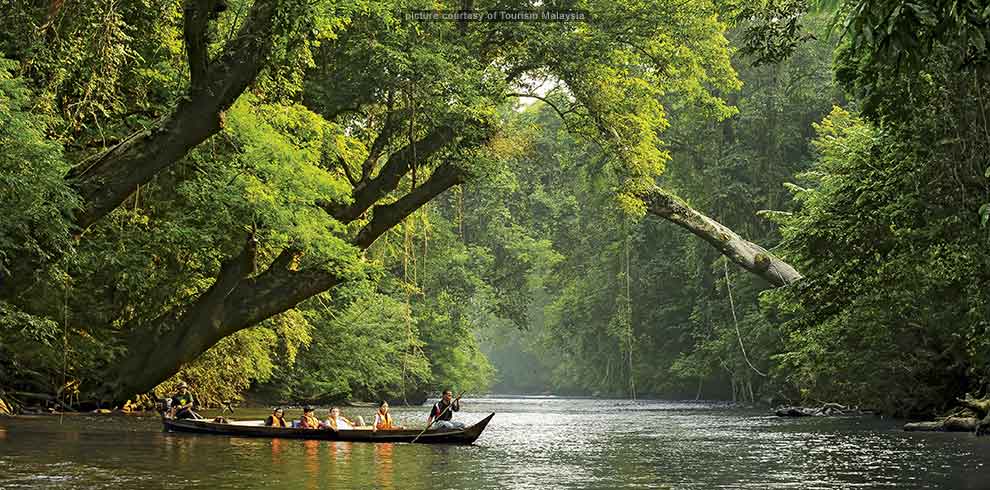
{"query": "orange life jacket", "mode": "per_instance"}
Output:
(309, 422)
(385, 421)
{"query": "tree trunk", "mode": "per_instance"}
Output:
(949, 424)
(748, 255)
(980, 406)
(107, 180)
(237, 301)
(975, 418)
(216, 314)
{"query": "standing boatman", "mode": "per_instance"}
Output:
(443, 411)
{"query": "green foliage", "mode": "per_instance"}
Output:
(889, 44)
(890, 314)
(365, 351)
(103, 68)
(676, 322)
(771, 30)
(903, 34)
(39, 204)
(273, 180)
(892, 228)
(31, 183)
(545, 237)
(256, 355)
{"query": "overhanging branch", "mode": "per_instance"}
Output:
(388, 215)
(746, 254)
(108, 179)
(388, 178)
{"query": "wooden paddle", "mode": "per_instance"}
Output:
(455, 400)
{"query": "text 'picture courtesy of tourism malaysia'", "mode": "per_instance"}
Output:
(467, 244)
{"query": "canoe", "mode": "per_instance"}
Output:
(254, 429)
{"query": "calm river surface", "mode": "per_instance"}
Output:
(533, 443)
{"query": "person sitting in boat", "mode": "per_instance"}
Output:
(182, 403)
(309, 420)
(383, 418)
(276, 419)
(336, 421)
(443, 411)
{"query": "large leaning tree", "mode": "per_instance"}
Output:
(296, 133)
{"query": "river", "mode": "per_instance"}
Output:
(532, 443)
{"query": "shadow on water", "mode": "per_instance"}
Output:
(533, 442)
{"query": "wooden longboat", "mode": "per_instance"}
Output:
(255, 429)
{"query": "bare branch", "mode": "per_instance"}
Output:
(746, 254)
(546, 101)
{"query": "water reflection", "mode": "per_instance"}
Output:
(277, 452)
(311, 462)
(179, 448)
(531, 444)
(340, 450)
(383, 465)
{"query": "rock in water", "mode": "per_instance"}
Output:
(794, 412)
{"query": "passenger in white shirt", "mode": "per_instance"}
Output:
(336, 421)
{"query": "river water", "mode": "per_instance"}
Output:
(532, 443)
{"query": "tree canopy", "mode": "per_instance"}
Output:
(334, 199)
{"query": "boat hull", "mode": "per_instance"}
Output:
(462, 436)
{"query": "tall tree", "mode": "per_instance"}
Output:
(397, 112)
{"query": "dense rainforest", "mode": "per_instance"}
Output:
(325, 200)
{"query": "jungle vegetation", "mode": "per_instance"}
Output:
(322, 200)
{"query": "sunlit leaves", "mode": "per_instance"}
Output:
(655, 54)
(39, 202)
(273, 179)
(366, 348)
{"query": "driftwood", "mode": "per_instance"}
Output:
(44, 400)
(974, 416)
(948, 424)
(826, 410)
(980, 407)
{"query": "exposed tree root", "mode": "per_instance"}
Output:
(973, 416)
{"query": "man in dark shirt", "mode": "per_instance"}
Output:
(443, 411)
(182, 403)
